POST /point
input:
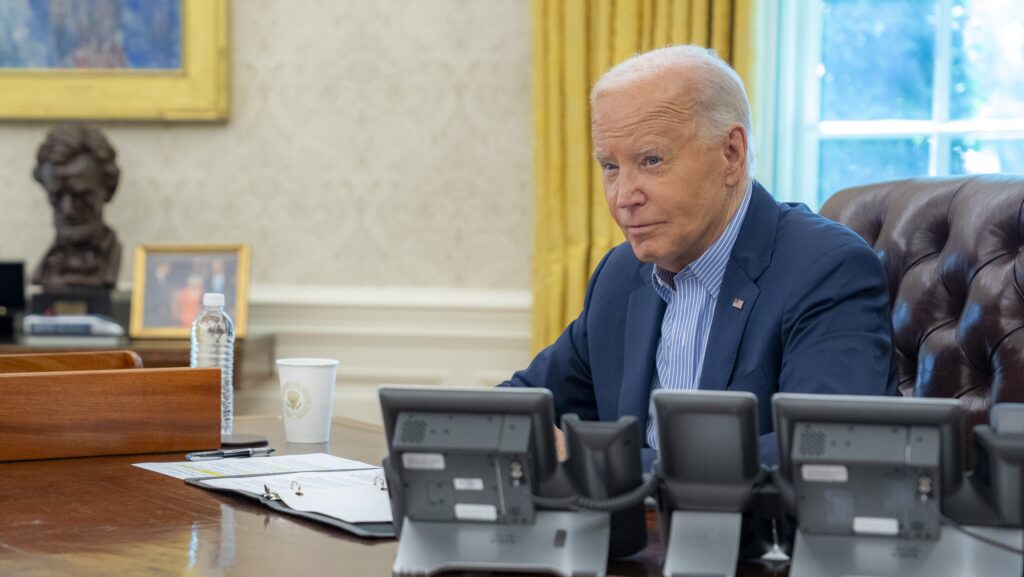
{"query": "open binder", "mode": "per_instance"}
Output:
(315, 494)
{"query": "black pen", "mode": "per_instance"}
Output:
(229, 453)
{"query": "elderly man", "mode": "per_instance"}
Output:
(76, 165)
(719, 287)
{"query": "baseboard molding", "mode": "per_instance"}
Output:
(452, 337)
(433, 337)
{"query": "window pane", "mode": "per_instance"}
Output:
(850, 162)
(980, 156)
(988, 61)
(877, 59)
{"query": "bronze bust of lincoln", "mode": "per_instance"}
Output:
(76, 167)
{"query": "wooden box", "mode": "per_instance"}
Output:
(47, 415)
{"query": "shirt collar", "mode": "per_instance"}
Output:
(709, 268)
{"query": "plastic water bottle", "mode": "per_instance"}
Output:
(213, 345)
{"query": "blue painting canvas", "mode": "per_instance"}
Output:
(110, 34)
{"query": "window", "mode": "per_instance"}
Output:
(858, 91)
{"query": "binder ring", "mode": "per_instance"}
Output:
(268, 494)
(380, 483)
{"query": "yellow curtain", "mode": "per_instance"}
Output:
(573, 43)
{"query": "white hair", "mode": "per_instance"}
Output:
(718, 90)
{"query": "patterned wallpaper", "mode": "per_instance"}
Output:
(370, 144)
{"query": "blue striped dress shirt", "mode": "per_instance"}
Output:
(690, 296)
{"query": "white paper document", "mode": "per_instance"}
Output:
(352, 504)
(254, 466)
(345, 489)
(358, 496)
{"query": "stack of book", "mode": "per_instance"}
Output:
(71, 331)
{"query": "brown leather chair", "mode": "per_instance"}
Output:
(952, 250)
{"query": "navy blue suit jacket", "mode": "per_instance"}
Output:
(815, 319)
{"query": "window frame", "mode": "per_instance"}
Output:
(788, 109)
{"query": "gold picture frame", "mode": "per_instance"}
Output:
(170, 279)
(197, 91)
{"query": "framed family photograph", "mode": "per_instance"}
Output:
(170, 280)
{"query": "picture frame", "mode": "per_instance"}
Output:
(198, 90)
(169, 282)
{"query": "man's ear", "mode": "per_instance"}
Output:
(735, 154)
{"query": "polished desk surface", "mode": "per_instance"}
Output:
(102, 516)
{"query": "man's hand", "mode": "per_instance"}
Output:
(560, 444)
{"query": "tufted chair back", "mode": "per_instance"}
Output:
(952, 250)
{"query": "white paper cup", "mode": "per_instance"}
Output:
(307, 398)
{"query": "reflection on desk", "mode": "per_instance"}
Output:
(102, 516)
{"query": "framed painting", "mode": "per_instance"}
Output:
(114, 59)
(170, 280)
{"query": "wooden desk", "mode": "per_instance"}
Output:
(254, 355)
(102, 516)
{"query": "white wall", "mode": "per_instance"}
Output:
(434, 337)
(378, 148)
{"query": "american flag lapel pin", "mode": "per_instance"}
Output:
(737, 304)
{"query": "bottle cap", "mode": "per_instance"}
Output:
(213, 300)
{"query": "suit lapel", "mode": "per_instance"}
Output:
(751, 254)
(727, 328)
(643, 329)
